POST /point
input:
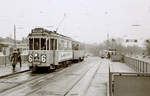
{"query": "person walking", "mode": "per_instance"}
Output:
(108, 55)
(13, 59)
(19, 57)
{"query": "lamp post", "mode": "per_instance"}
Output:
(15, 43)
(14, 35)
(107, 43)
(107, 13)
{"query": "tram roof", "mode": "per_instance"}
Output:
(44, 32)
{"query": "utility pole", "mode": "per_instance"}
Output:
(108, 41)
(107, 27)
(14, 35)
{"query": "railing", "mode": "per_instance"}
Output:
(137, 64)
(5, 60)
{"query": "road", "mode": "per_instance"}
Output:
(87, 78)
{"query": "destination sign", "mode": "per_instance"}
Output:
(38, 30)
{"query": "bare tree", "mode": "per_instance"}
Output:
(114, 43)
(147, 48)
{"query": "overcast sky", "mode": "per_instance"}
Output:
(86, 20)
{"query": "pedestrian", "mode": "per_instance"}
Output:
(108, 55)
(19, 57)
(13, 59)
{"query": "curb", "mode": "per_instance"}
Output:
(14, 73)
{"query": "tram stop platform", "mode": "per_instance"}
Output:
(100, 83)
(125, 81)
(7, 70)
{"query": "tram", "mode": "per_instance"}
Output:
(49, 49)
(115, 56)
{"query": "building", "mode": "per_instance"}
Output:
(7, 45)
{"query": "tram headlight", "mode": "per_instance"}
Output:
(43, 57)
(30, 58)
(36, 55)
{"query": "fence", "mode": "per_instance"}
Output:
(138, 65)
(5, 60)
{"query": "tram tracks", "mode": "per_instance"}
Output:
(76, 84)
(34, 82)
(13, 82)
(37, 89)
(72, 86)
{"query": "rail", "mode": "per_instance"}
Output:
(137, 64)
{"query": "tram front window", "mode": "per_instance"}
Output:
(48, 44)
(36, 44)
(30, 43)
(43, 44)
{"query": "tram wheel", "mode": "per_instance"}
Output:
(53, 67)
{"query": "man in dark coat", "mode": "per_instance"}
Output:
(108, 55)
(14, 59)
(19, 57)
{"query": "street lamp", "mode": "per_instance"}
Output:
(107, 27)
(15, 34)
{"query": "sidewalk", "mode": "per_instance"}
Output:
(99, 84)
(7, 70)
(120, 67)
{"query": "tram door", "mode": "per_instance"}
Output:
(53, 47)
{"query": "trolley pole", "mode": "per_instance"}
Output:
(61, 22)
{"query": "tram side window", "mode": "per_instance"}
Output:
(75, 46)
(69, 45)
(53, 44)
(36, 44)
(61, 44)
(30, 43)
(43, 43)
